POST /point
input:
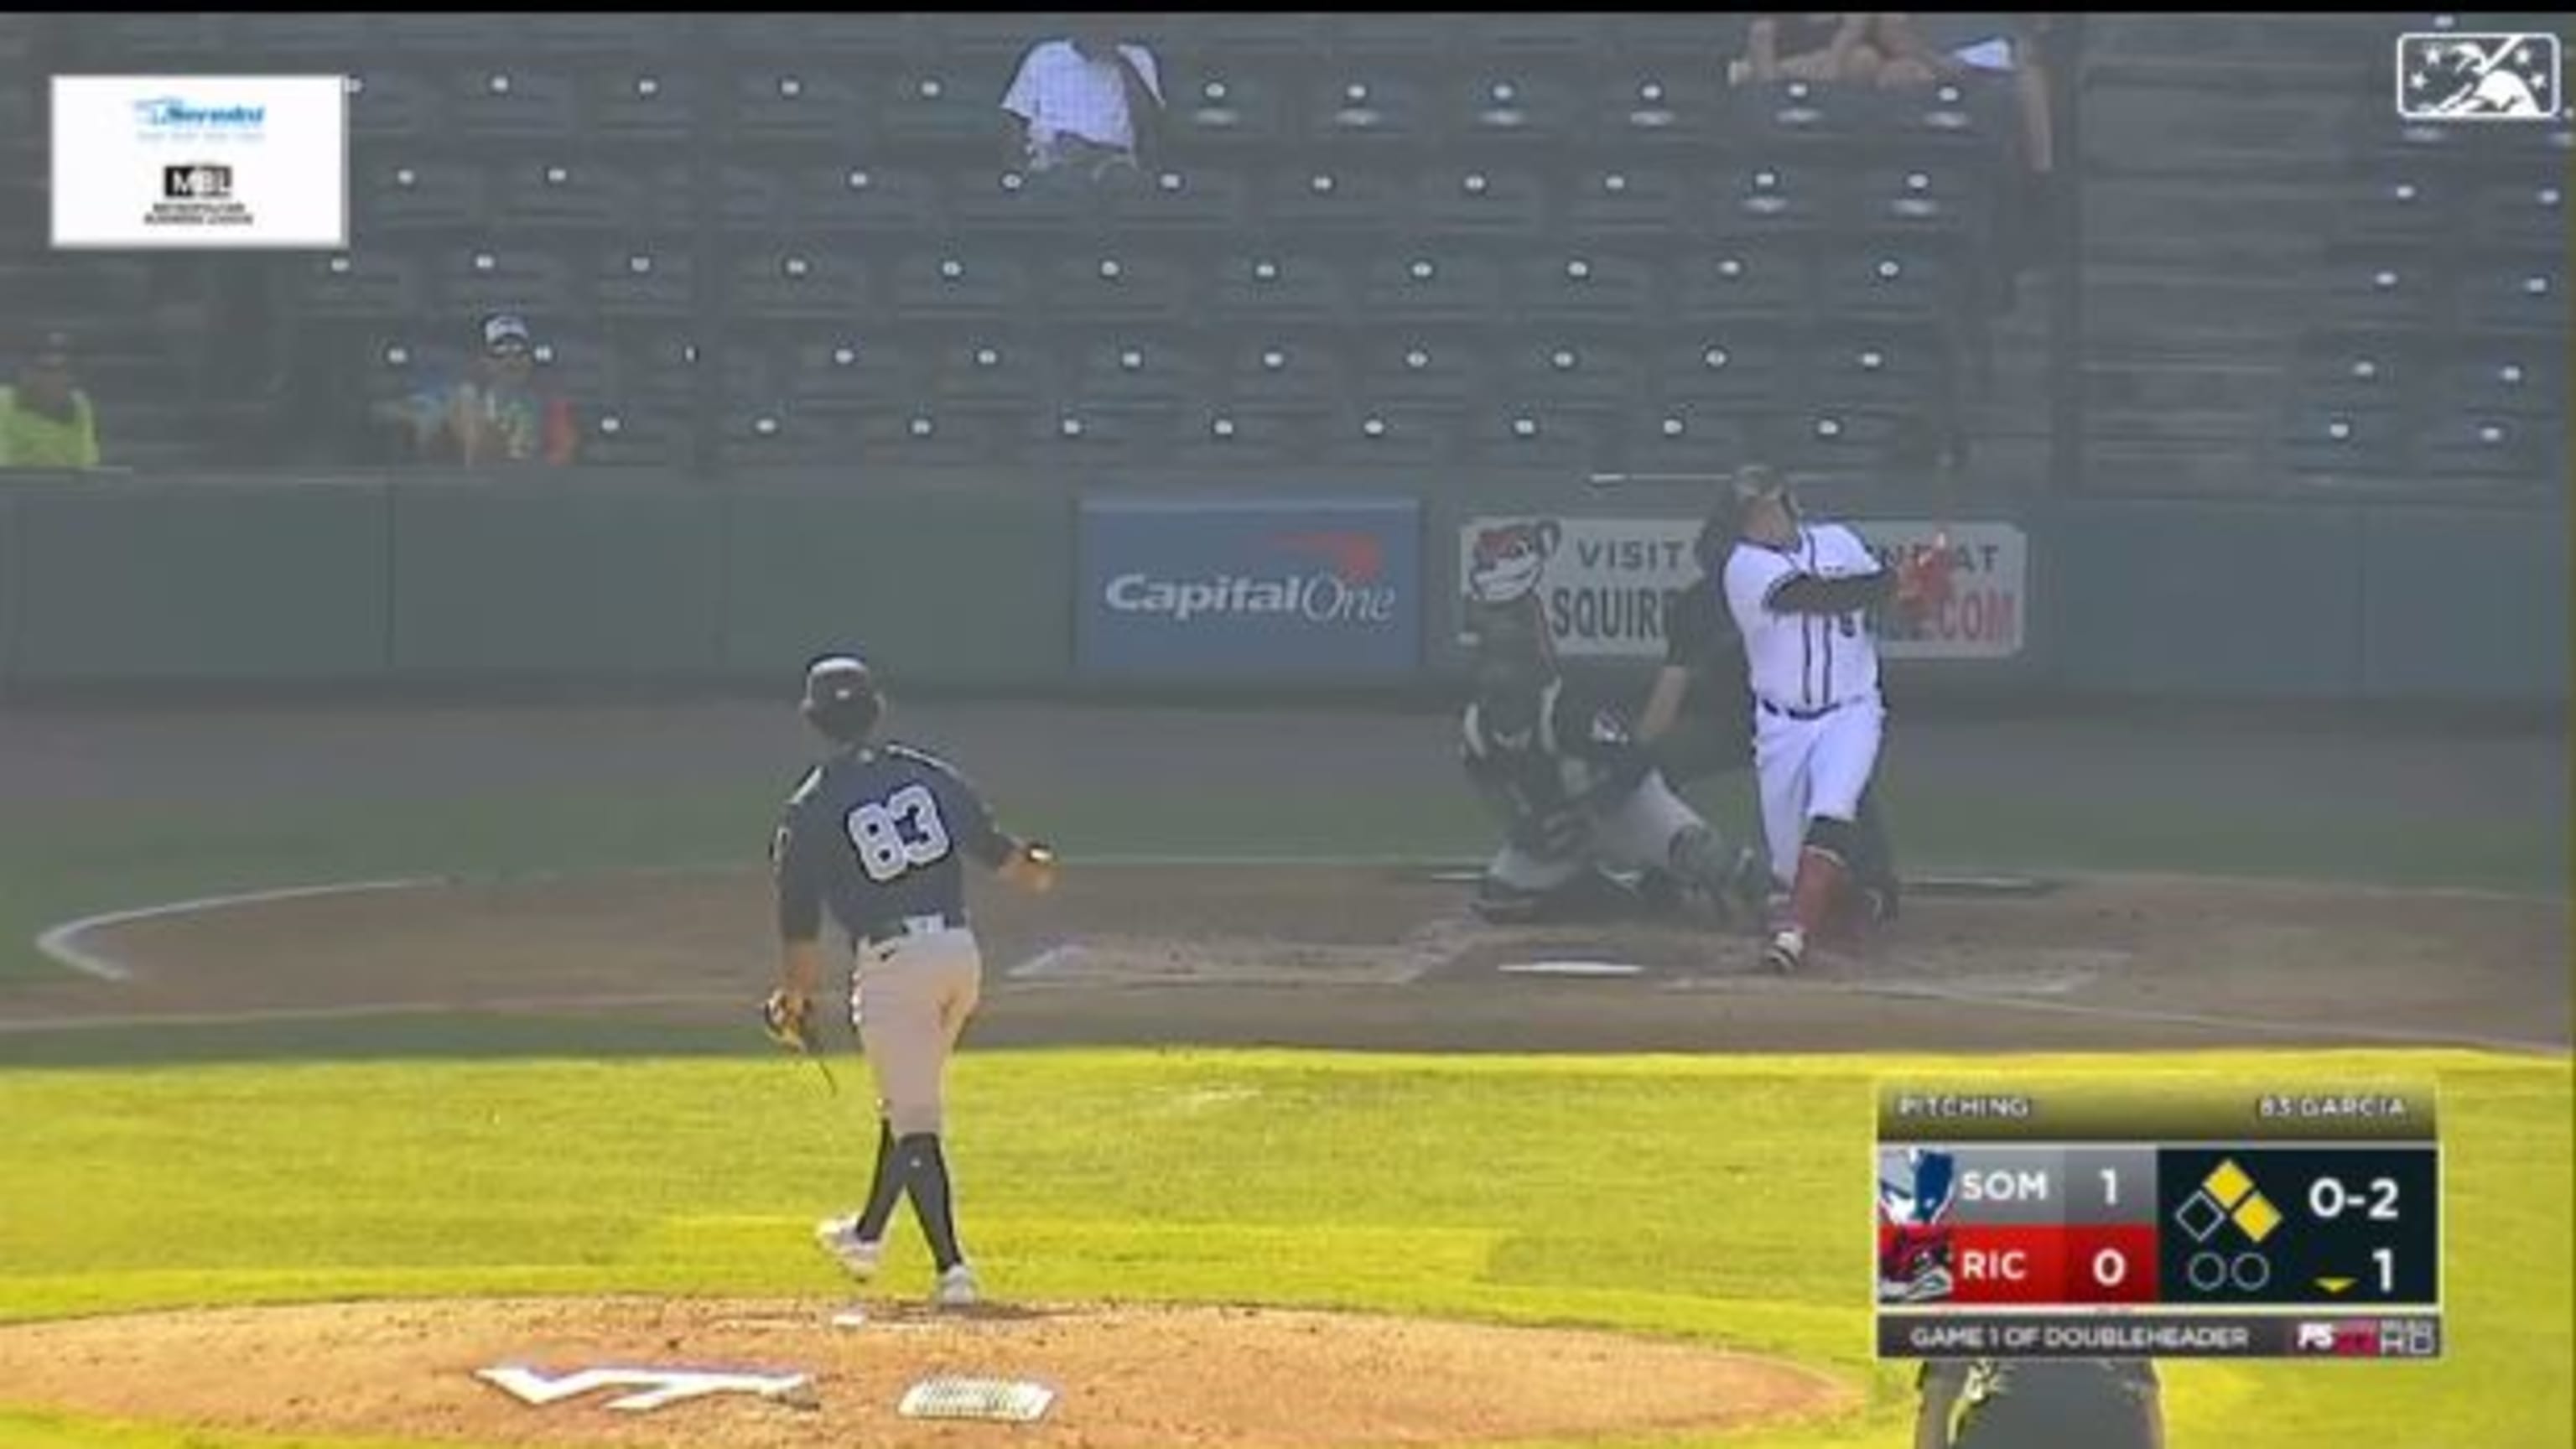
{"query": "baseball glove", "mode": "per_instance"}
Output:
(789, 1020)
(1923, 579)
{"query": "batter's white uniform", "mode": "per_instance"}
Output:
(1816, 708)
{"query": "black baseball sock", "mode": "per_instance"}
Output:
(926, 1176)
(885, 1188)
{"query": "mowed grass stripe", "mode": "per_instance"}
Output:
(1720, 1199)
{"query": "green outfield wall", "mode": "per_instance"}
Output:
(978, 583)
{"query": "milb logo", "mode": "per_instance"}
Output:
(200, 182)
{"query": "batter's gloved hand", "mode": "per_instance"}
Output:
(788, 1018)
(1032, 867)
(1923, 579)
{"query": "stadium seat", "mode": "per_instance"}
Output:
(755, 200)
(997, 370)
(1283, 375)
(1973, 117)
(1373, 434)
(2408, 208)
(1115, 369)
(1220, 439)
(945, 287)
(1730, 367)
(1569, 443)
(562, 194)
(660, 367)
(871, 200)
(1678, 437)
(926, 435)
(2379, 288)
(1795, 120)
(317, 42)
(2502, 379)
(861, 43)
(2515, 293)
(1478, 200)
(1580, 372)
(1122, 286)
(925, 114)
(2526, 213)
(1070, 441)
(1416, 43)
(424, 196)
(396, 105)
(1334, 200)
(775, 433)
(1272, 289)
(1416, 370)
(2323, 438)
(1588, 293)
(1658, 109)
(1570, 45)
(1767, 198)
(599, 39)
(1741, 281)
(1897, 281)
(513, 105)
(1928, 199)
(646, 279)
(1640, 203)
(994, 205)
(1514, 110)
(1203, 201)
(1228, 112)
(476, 280)
(837, 370)
(1840, 440)
(2482, 445)
(983, 48)
(574, 361)
(807, 106)
(1881, 369)
(619, 434)
(2363, 370)
(1344, 110)
(1412, 283)
(638, 106)
(802, 279)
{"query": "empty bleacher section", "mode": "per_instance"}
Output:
(1460, 241)
(2283, 285)
(1553, 242)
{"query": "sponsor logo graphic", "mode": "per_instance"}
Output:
(203, 181)
(1345, 590)
(646, 1389)
(1507, 559)
(2459, 76)
(1916, 1249)
(165, 115)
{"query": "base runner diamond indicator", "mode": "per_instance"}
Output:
(2200, 1217)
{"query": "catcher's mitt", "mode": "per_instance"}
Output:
(789, 1020)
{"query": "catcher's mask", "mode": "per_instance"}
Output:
(841, 698)
(1514, 660)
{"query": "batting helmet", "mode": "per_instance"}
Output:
(841, 698)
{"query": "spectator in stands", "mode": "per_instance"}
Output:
(1860, 48)
(1089, 105)
(46, 420)
(2018, 51)
(497, 414)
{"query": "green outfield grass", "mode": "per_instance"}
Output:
(1719, 1199)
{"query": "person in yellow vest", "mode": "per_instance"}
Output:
(46, 421)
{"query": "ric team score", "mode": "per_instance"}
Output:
(1323, 598)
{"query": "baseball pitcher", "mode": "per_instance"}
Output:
(1801, 594)
(875, 833)
(1578, 797)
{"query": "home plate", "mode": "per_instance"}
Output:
(1570, 968)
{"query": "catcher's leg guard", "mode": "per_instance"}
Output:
(1700, 857)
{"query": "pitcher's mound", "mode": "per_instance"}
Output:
(1125, 1377)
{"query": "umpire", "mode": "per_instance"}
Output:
(2040, 1404)
(875, 833)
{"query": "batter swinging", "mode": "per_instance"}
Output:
(1801, 594)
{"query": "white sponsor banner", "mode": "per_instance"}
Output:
(213, 162)
(1605, 582)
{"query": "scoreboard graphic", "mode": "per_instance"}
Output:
(2089, 1219)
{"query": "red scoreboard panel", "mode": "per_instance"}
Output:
(2152, 1218)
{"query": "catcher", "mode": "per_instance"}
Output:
(874, 832)
(1579, 798)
